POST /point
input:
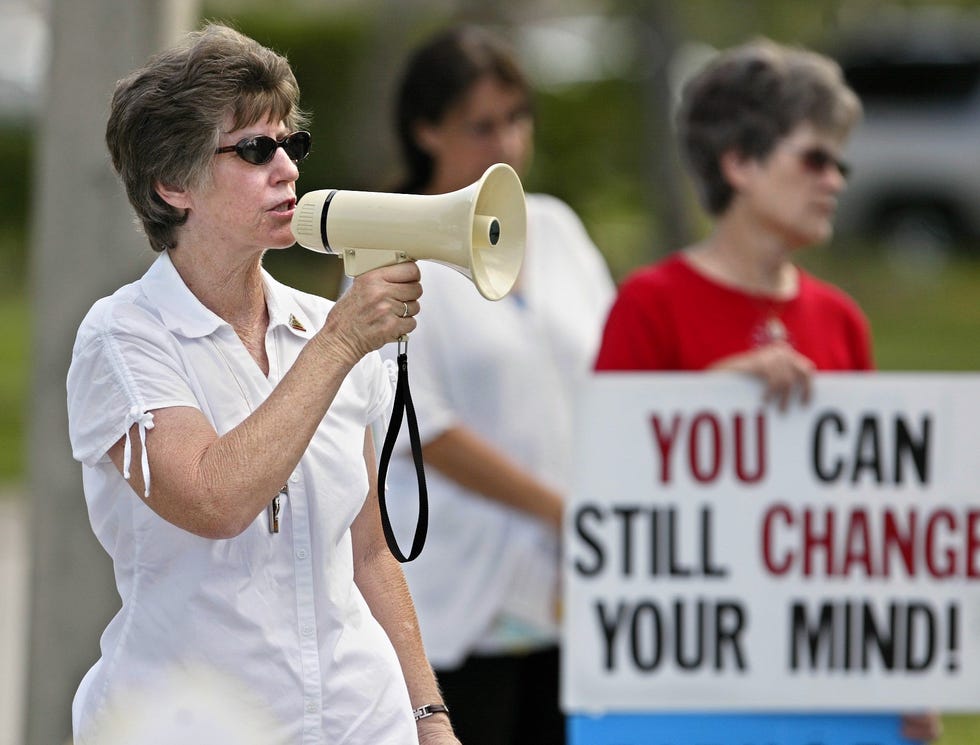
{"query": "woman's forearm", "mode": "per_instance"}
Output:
(463, 456)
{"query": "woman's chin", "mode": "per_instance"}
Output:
(815, 235)
(281, 239)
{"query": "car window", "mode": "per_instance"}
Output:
(914, 82)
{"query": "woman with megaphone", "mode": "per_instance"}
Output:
(223, 423)
(494, 385)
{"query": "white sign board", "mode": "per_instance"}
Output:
(723, 555)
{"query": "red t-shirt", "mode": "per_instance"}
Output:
(668, 316)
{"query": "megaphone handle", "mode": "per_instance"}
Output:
(403, 403)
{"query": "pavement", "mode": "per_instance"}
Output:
(14, 572)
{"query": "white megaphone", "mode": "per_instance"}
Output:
(480, 230)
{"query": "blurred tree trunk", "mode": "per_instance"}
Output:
(84, 246)
(376, 158)
(666, 179)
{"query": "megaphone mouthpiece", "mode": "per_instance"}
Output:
(479, 230)
(309, 220)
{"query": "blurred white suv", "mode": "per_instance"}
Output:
(916, 155)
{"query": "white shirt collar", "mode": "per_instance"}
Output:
(184, 314)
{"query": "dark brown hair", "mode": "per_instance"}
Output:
(437, 76)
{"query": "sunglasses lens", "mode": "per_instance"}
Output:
(258, 150)
(297, 145)
(818, 160)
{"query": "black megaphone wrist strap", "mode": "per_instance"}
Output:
(403, 403)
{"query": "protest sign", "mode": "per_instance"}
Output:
(723, 556)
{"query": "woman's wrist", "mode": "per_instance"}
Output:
(428, 710)
(436, 725)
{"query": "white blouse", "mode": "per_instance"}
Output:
(276, 615)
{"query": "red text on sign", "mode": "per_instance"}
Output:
(709, 444)
(941, 543)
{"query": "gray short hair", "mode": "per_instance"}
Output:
(165, 118)
(748, 98)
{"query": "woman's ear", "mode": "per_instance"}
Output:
(735, 168)
(428, 137)
(175, 196)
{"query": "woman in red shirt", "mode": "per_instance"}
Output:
(762, 128)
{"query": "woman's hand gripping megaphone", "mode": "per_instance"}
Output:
(379, 307)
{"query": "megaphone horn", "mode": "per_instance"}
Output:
(479, 230)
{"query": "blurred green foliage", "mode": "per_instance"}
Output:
(589, 153)
(14, 341)
(16, 150)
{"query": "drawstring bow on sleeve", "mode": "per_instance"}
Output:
(144, 421)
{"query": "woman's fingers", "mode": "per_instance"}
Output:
(379, 307)
(785, 372)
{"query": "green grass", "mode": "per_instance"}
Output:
(925, 314)
(960, 729)
(14, 336)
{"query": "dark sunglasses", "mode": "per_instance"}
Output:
(260, 149)
(817, 160)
